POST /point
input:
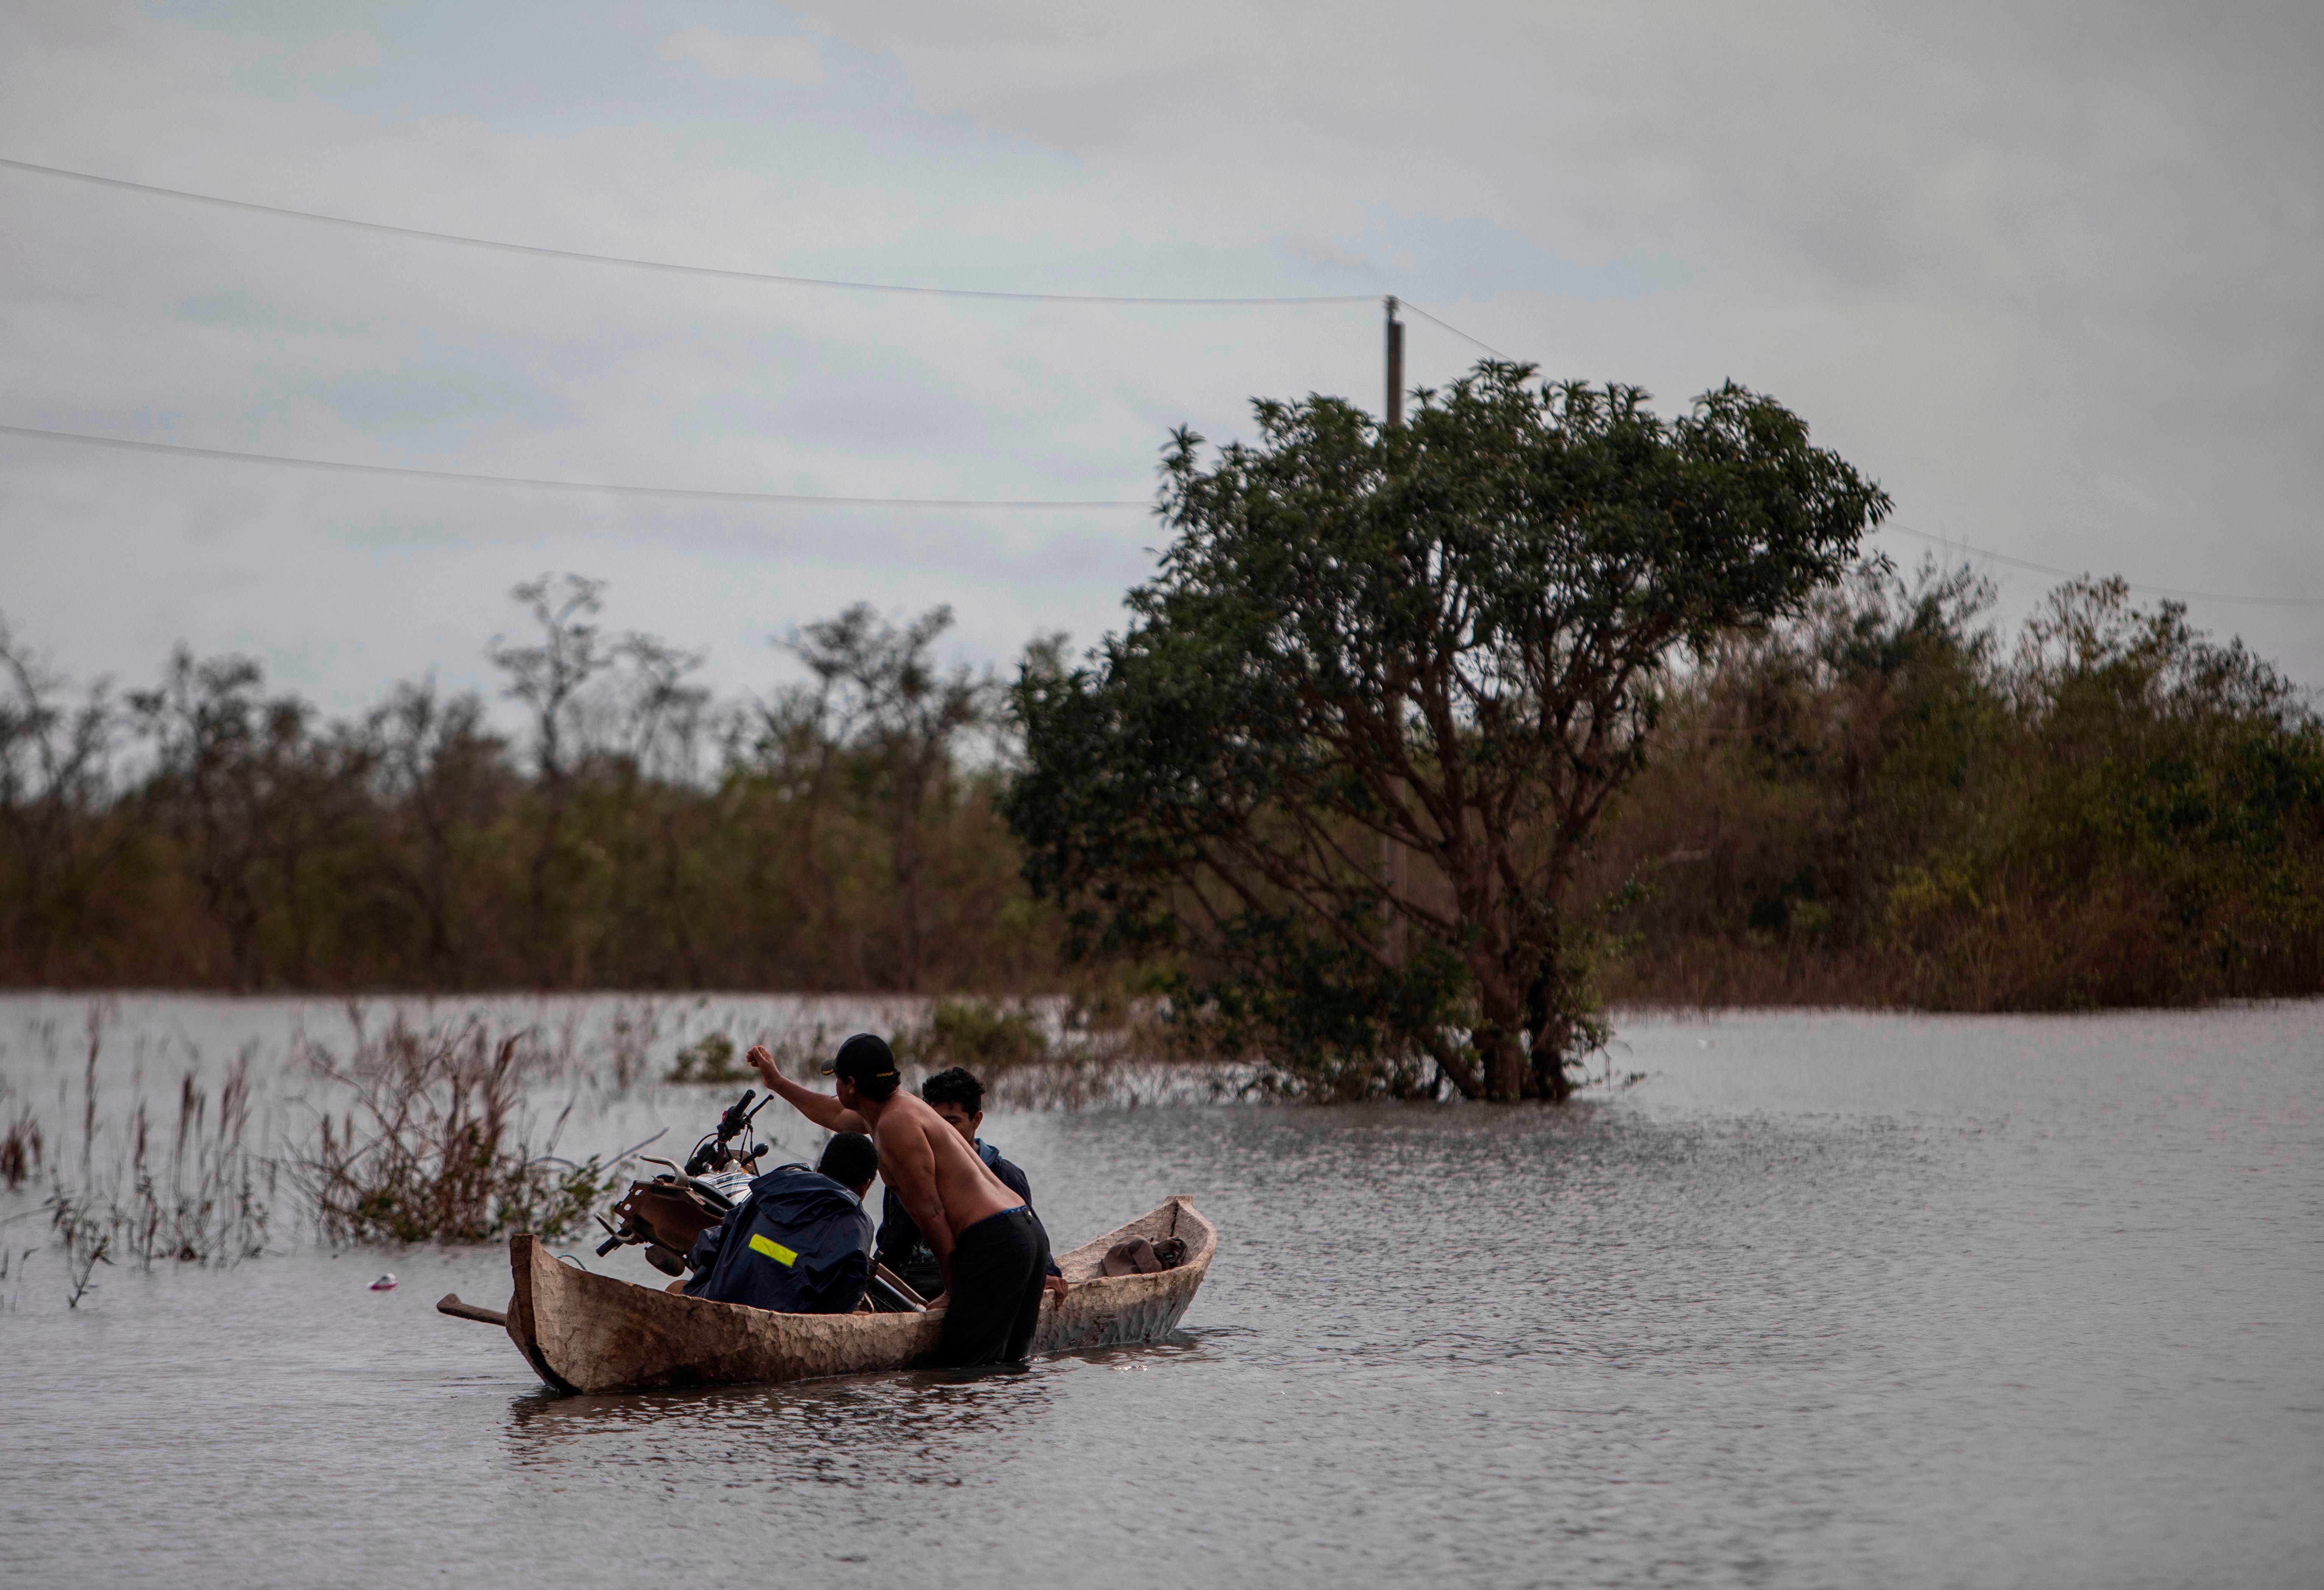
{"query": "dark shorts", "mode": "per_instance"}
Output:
(997, 1266)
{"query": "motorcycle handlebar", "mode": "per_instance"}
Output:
(737, 1116)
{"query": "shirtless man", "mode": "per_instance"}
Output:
(990, 1246)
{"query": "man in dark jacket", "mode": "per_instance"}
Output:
(800, 1242)
(958, 1097)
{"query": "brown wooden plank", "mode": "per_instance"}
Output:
(450, 1303)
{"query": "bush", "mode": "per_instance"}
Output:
(985, 1038)
(439, 1151)
(710, 1058)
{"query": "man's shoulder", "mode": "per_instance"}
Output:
(907, 1123)
(903, 1113)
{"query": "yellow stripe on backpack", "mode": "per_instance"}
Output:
(773, 1250)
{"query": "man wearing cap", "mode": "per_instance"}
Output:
(991, 1250)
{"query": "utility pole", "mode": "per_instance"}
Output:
(1391, 853)
(1395, 364)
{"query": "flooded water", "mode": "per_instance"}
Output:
(1823, 1300)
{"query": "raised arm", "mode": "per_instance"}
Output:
(821, 1109)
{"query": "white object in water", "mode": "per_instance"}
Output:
(385, 1284)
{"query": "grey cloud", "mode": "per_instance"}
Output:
(2046, 270)
(750, 58)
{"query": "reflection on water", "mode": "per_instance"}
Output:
(903, 1430)
(909, 1430)
(1827, 1299)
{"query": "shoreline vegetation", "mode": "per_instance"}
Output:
(1883, 803)
(1887, 804)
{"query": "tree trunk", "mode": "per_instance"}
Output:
(1549, 1079)
(1496, 1038)
(1454, 1065)
(1551, 1029)
(1504, 1063)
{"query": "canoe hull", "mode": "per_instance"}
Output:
(585, 1332)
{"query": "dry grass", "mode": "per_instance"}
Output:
(435, 1146)
(21, 1151)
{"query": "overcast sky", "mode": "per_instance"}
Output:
(2050, 273)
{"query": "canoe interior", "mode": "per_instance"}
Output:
(1081, 1264)
(586, 1332)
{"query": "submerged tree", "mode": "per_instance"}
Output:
(1342, 764)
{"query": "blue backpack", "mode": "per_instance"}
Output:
(798, 1244)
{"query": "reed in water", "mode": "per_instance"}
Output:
(434, 1147)
(147, 1187)
(431, 1140)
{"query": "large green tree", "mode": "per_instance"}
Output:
(1339, 770)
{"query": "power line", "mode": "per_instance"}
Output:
(2043, 568)
(619, 489)
(673, 267)
(343, 466)
(1456, 331)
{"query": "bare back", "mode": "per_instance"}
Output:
(966, 1188)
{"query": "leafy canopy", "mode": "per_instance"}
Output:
(1339, 768)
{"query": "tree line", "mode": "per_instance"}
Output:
(1883, 801)
(1886, 801)
(210, 832)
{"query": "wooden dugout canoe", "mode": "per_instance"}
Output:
(586, 1332)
